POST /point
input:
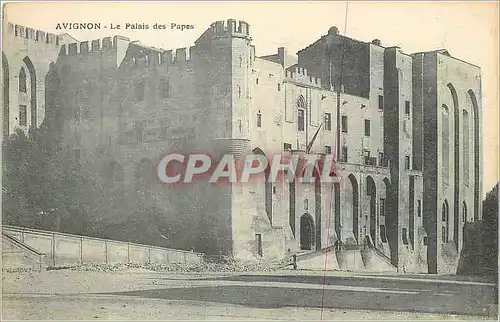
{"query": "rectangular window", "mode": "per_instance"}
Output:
(383, 234)
(139, 92)
(287, 147)
(344, 123)
(419, 208)
(344, 156)
(381, 159)
(301, 120)
(407, 162)
(259, 120)
(426, 240)
(23, 115)
(258, 242)
(328, 149)
(380, 102)
(165, 88)
(407, 107)
(367, 127)
(279, 87)
(366, 155)
(328, 121)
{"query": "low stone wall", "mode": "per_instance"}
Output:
(63, 250)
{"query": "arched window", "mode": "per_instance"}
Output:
(445, 148)
(301, 113)
(22, 81)
(445, 222)
(464, 212)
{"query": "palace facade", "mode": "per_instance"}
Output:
(405, 130)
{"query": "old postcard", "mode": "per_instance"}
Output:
(250, 160)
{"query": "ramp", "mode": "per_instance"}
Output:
(18, 255)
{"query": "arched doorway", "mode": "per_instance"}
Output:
(306, 232)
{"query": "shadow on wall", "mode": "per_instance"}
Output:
(479, 254)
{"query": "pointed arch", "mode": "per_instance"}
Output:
(33, 90)
(456, 164)
(476, 135)
(354, 198)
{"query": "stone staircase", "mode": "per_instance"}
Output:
(357, 258)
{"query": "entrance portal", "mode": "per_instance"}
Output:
(306, 232)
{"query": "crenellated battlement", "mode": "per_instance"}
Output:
(230, 26)
(300, 75)
(33, 34)
(97, 45)
(149, 56)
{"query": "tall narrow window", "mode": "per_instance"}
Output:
(445, 226)
(300, 120)
(367, 127)
(139, 91)
(344, 123)
(382, 206)
(328, 149)
(380, 102)
(279, 87)
(258, 242)
(328, 121)
(344, 156)
(23, 115)
(464, 212)
(366, 155)
(419, 208)
(301, 113)
(381, 159)
(259, 119)
(22, 80)
(407, 162)
(407, 107)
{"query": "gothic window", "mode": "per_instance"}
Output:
(301, 114)
(22, 81)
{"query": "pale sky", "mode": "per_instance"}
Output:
(469, 30)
